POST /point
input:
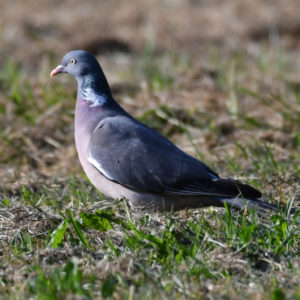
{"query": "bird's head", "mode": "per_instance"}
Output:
(77, 63)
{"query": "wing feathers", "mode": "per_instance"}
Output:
(128, 152)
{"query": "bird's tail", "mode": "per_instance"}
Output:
(254, 204)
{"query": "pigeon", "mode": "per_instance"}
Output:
(124, 158)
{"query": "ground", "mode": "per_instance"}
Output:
(221, 79)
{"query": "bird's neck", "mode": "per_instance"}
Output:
(94, 99)
(95, 93)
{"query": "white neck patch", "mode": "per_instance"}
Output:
(89, 94)
(92, 98)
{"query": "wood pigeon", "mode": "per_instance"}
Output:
(124, 158)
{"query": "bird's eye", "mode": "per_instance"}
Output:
(73, 61)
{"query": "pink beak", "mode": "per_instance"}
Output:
(57, 70)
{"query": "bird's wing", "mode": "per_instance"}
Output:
(133, 155)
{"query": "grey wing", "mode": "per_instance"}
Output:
(133, 155)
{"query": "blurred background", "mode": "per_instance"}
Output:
(32, 30)
(201, 72)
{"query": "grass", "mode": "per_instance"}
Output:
(60, 238)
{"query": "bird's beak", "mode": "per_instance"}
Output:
(57, 70)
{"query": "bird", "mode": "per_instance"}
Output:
(124, 158)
